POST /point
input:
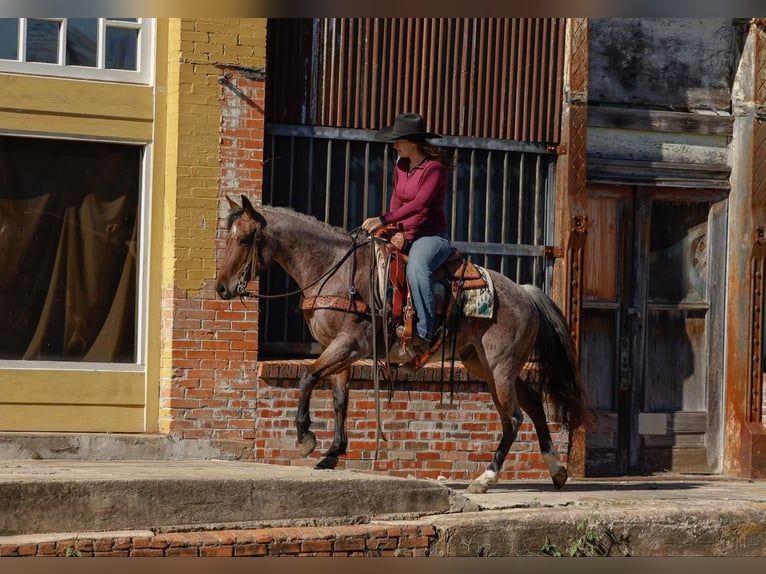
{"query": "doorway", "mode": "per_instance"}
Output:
(652, 312)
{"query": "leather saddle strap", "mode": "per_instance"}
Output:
(335, 302)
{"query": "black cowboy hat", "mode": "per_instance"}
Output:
(407, 126)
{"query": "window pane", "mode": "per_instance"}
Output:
(82, 42)
(68, 248)
(678, 253)
(9, 38)
(42, 41)
(121, 49)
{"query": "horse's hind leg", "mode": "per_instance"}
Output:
(511, 416)
(511, 426)
(532, 403)
(340, 383)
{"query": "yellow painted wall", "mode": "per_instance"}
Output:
(81, 397)
(179, 118)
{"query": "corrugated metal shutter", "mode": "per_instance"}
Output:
(498, 78)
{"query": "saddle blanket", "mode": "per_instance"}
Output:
(480, 302)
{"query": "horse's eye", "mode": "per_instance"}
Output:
(245, 241)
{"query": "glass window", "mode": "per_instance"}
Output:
(42, 41)
(678, 253)
(121, 47)
(68, 250)
(9, 38)
(82, 42)
(109, 49)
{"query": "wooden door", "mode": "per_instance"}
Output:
(652, 310)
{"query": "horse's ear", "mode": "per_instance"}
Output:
(248, 207)
(232, 203)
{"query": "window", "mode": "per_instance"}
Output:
(109, 49)
(69, 249)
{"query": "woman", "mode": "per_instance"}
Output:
(417, 206)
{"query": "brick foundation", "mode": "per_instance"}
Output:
(393, 539)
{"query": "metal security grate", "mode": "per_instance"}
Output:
(499, 207)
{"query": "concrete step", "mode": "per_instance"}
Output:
(38, 496)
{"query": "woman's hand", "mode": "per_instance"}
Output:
(371, 224)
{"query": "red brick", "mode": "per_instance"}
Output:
(141, 542)
(316, 546)
(382, 543)
(414, 542)
(182, 551)
(251, 550)
(121, 543)
(349, 544)
(48, 549)
(216, 551)
(278, 548)
(147, 552)
(27, 549)
(112, 554)
(9, 550)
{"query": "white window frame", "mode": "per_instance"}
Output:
(142, 275)
(143, 75)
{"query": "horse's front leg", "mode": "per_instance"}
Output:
(340, 384)
(306, 439)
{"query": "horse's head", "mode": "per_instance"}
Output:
(244, 256)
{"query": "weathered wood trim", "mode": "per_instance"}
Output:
(666, 174)
(571, 215)
(660, 121)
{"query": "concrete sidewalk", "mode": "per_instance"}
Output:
(659, 516)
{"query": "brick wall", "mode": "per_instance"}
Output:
(430, 431)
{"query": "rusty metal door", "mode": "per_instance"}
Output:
(652, 312)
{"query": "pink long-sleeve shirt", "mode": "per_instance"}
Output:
(418, 199)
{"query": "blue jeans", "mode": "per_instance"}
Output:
(425, 255)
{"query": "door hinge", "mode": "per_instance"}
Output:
(553, 251)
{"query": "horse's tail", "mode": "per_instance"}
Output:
(558, 375)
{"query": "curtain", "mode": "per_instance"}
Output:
(68, 246)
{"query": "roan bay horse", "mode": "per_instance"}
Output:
(325, 260)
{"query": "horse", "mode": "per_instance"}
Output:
(327, 264)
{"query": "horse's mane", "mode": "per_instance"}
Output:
(307, 221)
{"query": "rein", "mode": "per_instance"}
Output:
(258, 237)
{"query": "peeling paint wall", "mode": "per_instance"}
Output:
(673, 63)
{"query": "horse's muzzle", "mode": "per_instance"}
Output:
(223, 291)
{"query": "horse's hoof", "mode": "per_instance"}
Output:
(327, 463)
(477, 488)
(308, 445)
(560, 478)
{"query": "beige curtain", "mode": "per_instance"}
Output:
(68, 244)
